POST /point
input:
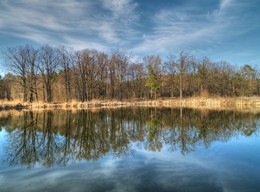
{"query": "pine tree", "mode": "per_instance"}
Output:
(152, 81)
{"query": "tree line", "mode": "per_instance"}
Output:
(62, 74)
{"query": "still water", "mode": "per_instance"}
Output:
(133, 149)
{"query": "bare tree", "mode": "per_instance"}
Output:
(182, 67)
(170, 70)
(31, 58)
(17, 61)
(66, 63)
(112, 76)
(203, 73)
(249, 74)
(5, 86)
(81, 71)
(47, 65)
(102, 75)
(92, 71)
(136, 79)
(121, 59)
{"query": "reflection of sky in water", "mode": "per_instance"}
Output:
(2, 140)
(230, 166)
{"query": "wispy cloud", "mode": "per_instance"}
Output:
(120, 25)
(122, 8)
(189, 28)
(224, 4)
(111, 21)
(79, 43)
(34, 20)
(52, 21)
(23, 15)
(195, 26)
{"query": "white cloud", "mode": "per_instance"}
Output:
(177, 30)
(119, 27)
(107, 31)
(120, 8)
(38, 37)
(176, 33)
(17, 16)
(51, 21)
(79, 44)
(224, 4)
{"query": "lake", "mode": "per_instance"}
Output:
(129, 149)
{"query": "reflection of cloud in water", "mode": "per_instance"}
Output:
(146, 171)
(127, 175)
(2, 139)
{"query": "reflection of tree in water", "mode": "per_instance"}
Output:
(22, 144)
(60, 137)
(154, 134)
(50, 142)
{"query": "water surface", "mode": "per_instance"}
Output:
(131, 149)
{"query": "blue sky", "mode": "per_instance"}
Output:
(220, 29)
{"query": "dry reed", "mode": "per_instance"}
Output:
(193, 102)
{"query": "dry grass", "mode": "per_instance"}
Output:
(193, 102)
(8, 104)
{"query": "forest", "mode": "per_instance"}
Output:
(61, 74)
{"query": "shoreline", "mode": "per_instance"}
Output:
(215, 103)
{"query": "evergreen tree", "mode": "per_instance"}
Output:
(152, 82)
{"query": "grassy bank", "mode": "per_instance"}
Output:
(193, 102)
